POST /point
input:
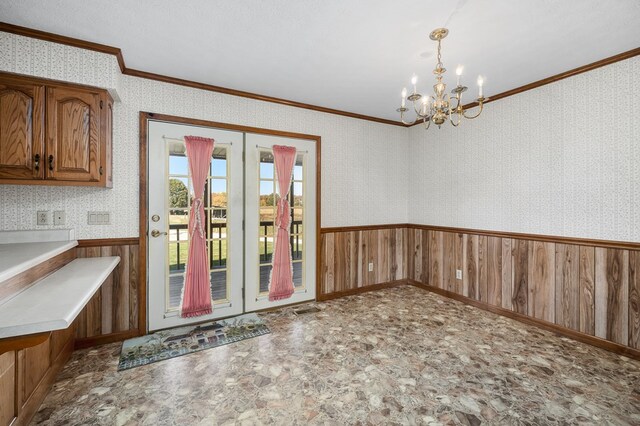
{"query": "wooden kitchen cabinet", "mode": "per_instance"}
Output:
(54, 133)
(21, 129)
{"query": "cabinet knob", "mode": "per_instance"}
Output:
(100, 170)
(36, 162)
(51, 162)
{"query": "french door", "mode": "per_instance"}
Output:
(261, 197)
(240, 198)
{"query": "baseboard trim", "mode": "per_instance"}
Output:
(562, 331)
(92, 341)
(354, 291)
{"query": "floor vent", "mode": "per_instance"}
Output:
(306, 310)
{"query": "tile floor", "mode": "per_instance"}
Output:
(395, 356)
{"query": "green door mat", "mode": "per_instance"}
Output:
(180, 341)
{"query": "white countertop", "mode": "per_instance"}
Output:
(16, 258)
(54, 302)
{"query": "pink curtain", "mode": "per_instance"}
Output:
(281, 280)
(196, 294)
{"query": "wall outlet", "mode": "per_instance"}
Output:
(370, 266)
(458, 274)
(98, 218)
(43, 217)
(59, 217)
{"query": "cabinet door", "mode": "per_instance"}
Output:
(73, 134)
(21, 130)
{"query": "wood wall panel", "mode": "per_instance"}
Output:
(587, 290)
(452, 261)
(470, 270)
(346, 255)
(424, 259)
(507, 274)
(568, 286)
(520, 264)
(398, 265)
(612, 295)
(482, 272)
(340, 255)
(113, 310)
(436, 258)
(326, 270)
(634, 299)
(542, 291)
(383, 255)
(493, 264)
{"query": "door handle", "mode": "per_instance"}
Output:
(155, 233)
(51, 162)
(37, 162)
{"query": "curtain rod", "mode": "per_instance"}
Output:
(266, 147)
(182, 139)
(230, 143)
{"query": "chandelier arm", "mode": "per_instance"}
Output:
(405, 122)
(474, 116)
(418, 113)
(455, 123)
(451, 109)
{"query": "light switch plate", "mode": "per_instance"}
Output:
(458, 274)
(370, 266)
(59, 217)
(98, 218)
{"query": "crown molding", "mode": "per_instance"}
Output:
(69, 41)
(589, 67)
(102, 48)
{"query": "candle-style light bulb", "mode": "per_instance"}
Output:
(414, 80)
(404, 95)
(425, 105)
(480, 84)
(459, 73)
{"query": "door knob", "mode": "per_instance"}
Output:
(156, 233)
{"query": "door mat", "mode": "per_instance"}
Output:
(180, 341)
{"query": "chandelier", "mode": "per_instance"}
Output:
(437, 108)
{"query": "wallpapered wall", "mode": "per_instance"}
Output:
(364, 179)
(554, 160)
(562, 159)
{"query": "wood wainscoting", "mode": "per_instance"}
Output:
(345, 255)
(112, 314)
(585, 289)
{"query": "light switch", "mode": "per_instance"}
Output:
(98, 218)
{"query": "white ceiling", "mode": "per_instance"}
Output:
(345, 54)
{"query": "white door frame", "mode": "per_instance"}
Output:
(145, 118)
